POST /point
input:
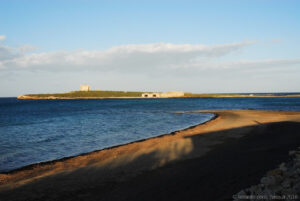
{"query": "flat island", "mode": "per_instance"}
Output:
(95, 94)
(211, 161)
(84, 95)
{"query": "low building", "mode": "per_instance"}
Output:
(151, 95)
(169, 94)
(85, 88)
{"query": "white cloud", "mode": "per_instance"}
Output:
(7, 53)
(138, 58)
(149, 59)
(248, 64)
(27, 48)
(2, 37)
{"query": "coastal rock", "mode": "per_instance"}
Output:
(282, 183)
(282, 167)
(286, 183)
(274, 172)
(268, 180)
(241, 193)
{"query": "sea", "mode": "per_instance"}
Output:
(33, 131)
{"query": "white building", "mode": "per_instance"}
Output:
(172, 94)
(151, 95)
(85, 88)
(169, 94)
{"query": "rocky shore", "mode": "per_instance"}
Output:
(282, 183)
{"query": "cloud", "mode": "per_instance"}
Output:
(248, 64)
(137, 58)
(2, 37)
(149, 59)
(27, 48)
(8, 53)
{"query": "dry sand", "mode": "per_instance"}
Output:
(211, 161)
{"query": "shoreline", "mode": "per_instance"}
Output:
(38, 164)
(24, 97)
(201, 148)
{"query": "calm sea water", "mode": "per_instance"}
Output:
(33, 131)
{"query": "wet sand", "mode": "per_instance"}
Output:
(211, 161)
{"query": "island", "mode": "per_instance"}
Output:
(86, 93)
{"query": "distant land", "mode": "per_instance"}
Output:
(95, 94)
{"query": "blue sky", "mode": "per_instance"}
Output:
(197, 46)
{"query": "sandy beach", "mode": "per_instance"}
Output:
(211, 161)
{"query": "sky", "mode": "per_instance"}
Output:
(192, 46)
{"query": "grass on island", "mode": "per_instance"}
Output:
(236, 95)
(191, 95)
(92, 94)
(132, 94)
(116, 94)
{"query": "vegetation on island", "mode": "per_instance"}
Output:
(90, 94)
(191, 95)
(241, 95)
(132, 94)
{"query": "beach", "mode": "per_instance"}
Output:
(211, 161)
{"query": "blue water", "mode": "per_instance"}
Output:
(33, 131)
